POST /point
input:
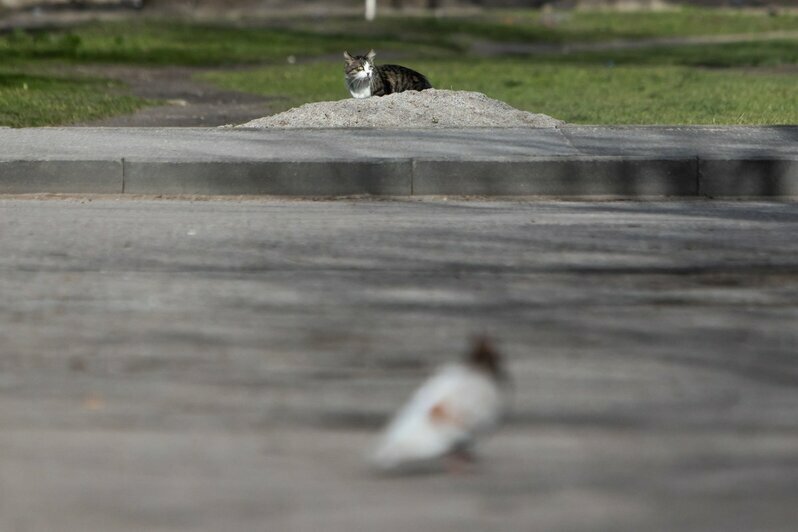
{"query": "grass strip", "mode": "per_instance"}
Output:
(587, 94)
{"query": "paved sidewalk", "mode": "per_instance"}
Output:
(569, 161)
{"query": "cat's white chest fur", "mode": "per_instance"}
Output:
(360, 91)
(360, 86)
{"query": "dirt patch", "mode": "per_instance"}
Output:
(187, 101)
(411, 109)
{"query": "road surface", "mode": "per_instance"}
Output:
(226, 364)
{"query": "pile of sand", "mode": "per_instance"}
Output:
(411, 109)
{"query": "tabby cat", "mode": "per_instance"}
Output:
(364, 78)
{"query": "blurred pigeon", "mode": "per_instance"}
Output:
(446, 415)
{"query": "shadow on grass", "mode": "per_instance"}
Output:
(725, 55)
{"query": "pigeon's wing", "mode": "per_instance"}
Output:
(444, 413)
(478, 403)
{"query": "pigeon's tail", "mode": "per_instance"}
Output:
(486, 358)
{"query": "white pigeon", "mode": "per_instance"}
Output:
(445, 416)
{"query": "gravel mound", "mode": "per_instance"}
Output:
(411, 109)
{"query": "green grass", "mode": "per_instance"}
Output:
(170, 42)
(660, 85)
(39, 100)
(679, 22)
(560, 27)
(181, 43)
(589, 94)
(29, 97)
(665, 84)
(153, 42)
(593, 94)
(730, 55)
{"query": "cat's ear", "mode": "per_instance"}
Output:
(370, 56)
(347, 56)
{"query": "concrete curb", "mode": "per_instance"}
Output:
(743, 177)
(558, 176)
(570, 161)
(61, 177)
(274, 178)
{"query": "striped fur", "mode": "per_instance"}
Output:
(364, 78)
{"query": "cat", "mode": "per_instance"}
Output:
(364, 78)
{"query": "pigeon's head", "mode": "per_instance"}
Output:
(484, 357)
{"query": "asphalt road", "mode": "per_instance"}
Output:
(225, 365)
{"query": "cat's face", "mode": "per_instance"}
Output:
(359, 66)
